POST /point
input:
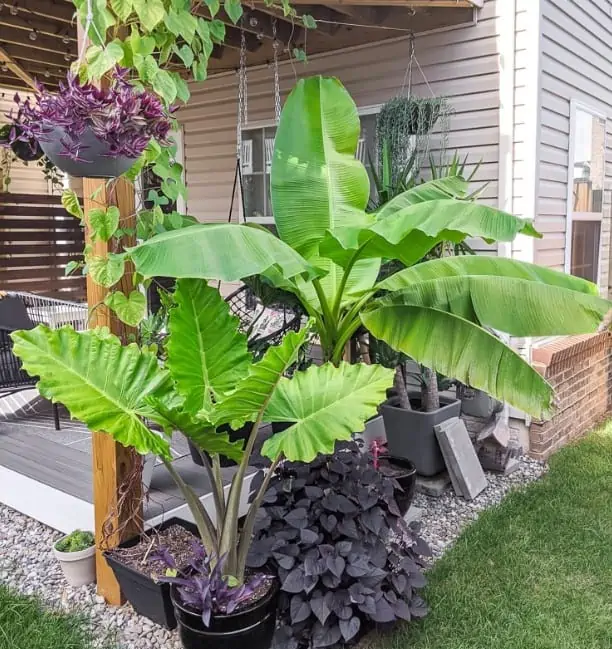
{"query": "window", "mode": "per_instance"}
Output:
(585, 193)
(256, 162)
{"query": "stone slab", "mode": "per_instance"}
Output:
(461, 460)
(433, 486)
(413, 515)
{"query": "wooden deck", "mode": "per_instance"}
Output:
(47, 474)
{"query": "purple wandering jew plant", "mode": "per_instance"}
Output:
(120, 115)
(203, 586)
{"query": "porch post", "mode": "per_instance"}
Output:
(112, 462)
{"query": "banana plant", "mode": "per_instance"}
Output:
(329, 252)
(207, 379)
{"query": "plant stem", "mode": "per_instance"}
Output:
(200, 515)
(399, 383)
(217, 489)
(345, 277)
(228, 545)
(328, 321)
(344, 337)
(249, 524)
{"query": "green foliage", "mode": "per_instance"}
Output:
(106, 271)
(76, 541)
(103, 223)
(130, 309)
(72, 204)
(207, 380)
(441, 317)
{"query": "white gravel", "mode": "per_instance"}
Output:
(28, 565)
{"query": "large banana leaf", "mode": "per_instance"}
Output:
(224, 251)
(483, 265)
(316, 182)
(440, 188)
(256, 388)
(327, 404)
(463, 350)
(207, 354)
(409, 233)
(518, 307)
(169, 412)
(101, 382)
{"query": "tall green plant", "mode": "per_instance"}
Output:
(207, 380)
(330, 252)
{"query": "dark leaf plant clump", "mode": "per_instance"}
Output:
(204, 586)
(120, 115)
(345, 557)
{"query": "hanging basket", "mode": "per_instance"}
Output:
(27, 151)
(94, 159)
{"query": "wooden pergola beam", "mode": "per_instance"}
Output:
(41, 42)
(16, 69)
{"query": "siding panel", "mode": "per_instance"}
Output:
(461, 64)
(576, 55)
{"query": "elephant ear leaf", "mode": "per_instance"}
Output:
(326, 404)
(101, 382)
(168, 411)
(255, 390)
(207, 354)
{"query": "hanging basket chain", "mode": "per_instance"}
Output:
(89, 23)
(277, 99)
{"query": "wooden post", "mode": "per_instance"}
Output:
(112, 462)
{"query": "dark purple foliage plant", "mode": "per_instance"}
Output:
(121, 115)
(345, 558)
(203, 587)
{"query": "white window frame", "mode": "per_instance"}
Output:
(571, 216)
(271, 123)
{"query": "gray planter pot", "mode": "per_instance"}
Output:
(411, 435)
(374, 429)
(476, 403)
(79, 567)
(94, 153)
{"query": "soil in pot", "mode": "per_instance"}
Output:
(405, 473)
(253, 624)
(137, 569)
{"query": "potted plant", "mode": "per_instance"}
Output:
(207, 379)
(76, 553)
(346, 559)
(13, 136)
(402, 471)
(92, 132)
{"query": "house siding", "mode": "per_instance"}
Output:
(576, 55)
(25, 179)
(461, 64)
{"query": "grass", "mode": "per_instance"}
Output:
(25, 624)
(534, 572)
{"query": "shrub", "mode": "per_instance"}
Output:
(76, 542)
(344, 556)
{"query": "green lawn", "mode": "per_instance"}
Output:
(532, 573)
(24, 624)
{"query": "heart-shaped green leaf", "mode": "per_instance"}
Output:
(130, 309)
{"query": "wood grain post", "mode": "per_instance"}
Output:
(112, 462)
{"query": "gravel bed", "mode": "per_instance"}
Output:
(28, 565)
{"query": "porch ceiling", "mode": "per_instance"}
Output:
(38, 38)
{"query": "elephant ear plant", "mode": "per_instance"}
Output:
(207, 379)
(330, 251)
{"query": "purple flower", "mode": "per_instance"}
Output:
(123, 117)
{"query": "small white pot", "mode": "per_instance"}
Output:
(79, 567)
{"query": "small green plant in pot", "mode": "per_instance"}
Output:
(76, 553)
(208, 378)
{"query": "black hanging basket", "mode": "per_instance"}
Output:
(94, 159)
(27, 151)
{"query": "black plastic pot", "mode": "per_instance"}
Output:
(405, 473)
(411, 435)
(94, 153)
(148, 597)
(252, 627)
(234, 435)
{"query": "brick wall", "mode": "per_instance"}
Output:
(580, 370)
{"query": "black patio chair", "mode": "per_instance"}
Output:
(21, 311)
